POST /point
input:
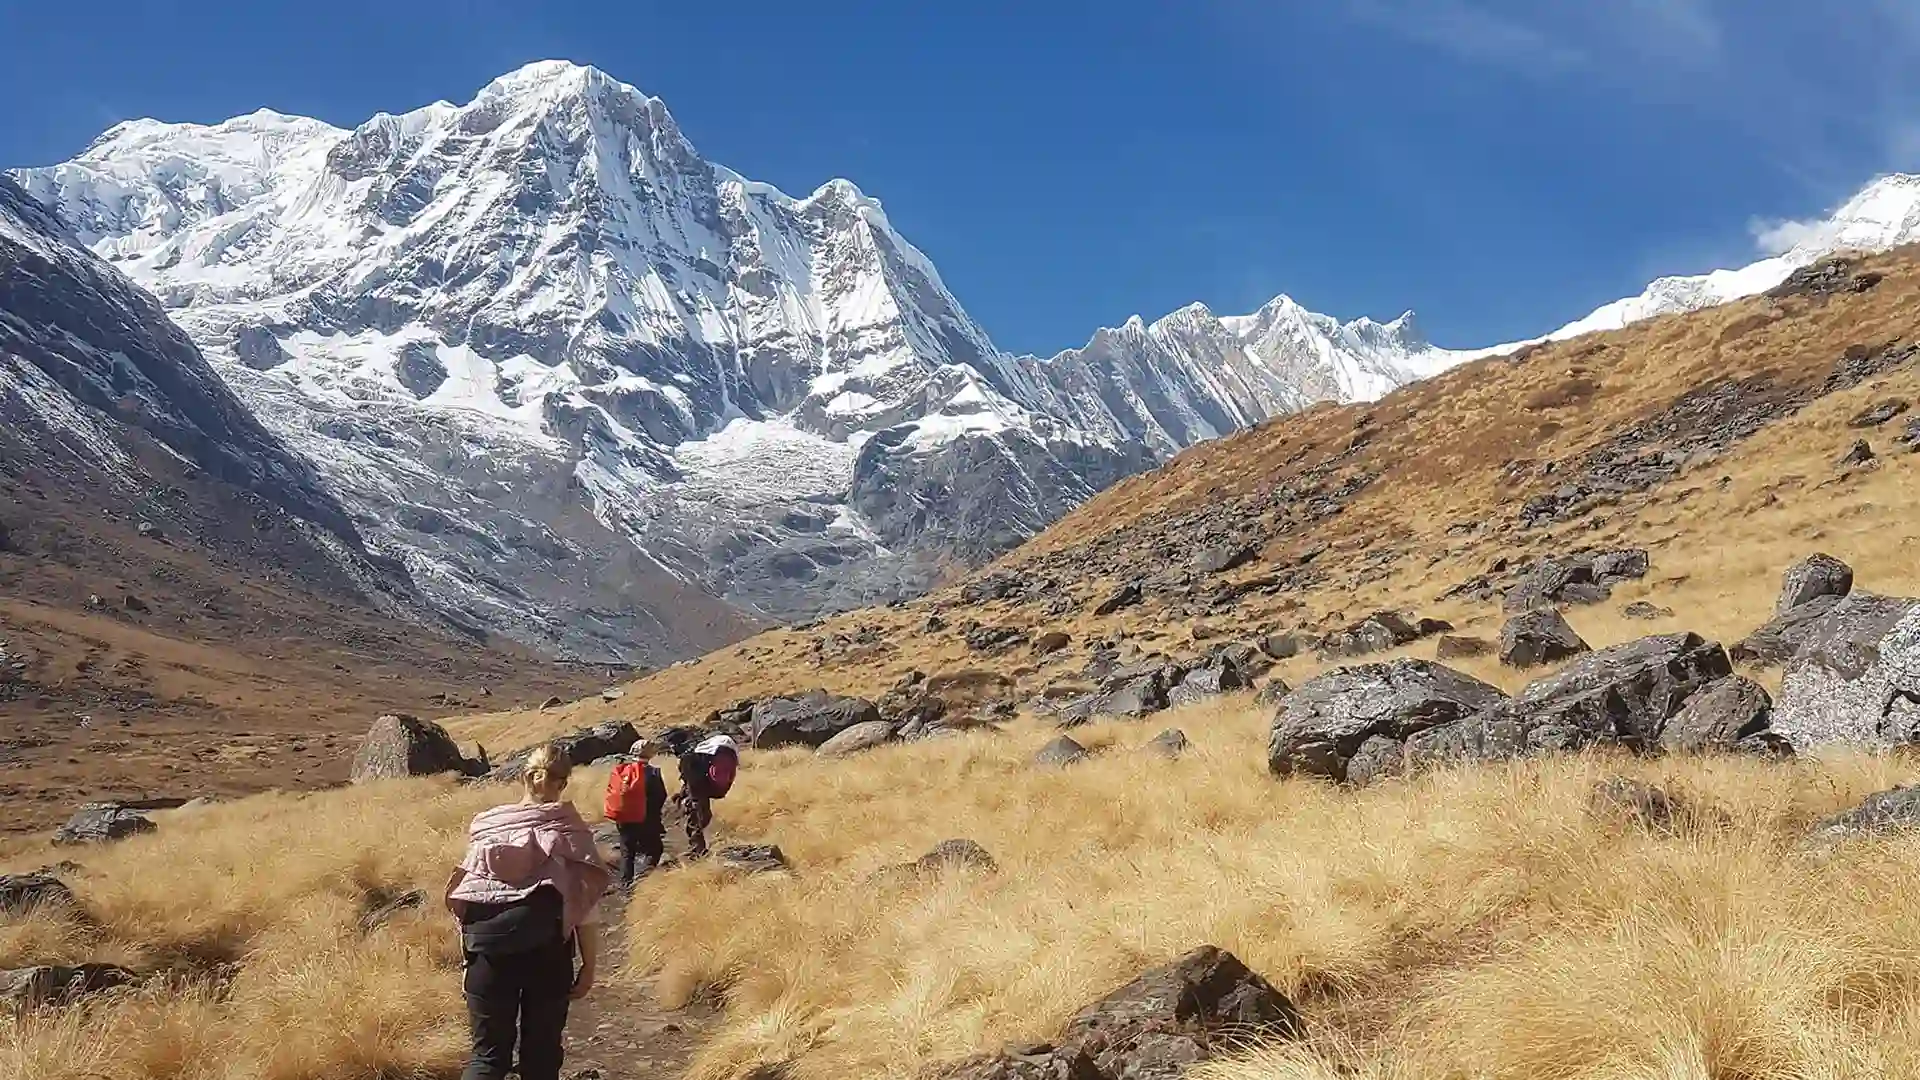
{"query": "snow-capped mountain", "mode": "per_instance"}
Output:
(478, 320)
(1885, 214)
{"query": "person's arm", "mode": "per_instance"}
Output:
(589, 938)
(456, 908)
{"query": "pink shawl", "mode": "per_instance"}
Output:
(519, 847)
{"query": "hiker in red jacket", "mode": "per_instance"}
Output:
(636, 804)
(706, 774)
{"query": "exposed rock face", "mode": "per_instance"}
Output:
(809, 719)
(1819, 619)
(1379, 632)
(1203, 1004)
(398, 745)
(1815, 576)
(859, 737)
(1537, 637)
(584, 747)
(1855, 680)
(1123, 597)
(1891, 811)
(1621, 695)
(1061, 752)
(1219, 677)
(1318, 728)
(1042, 1061)
(957, 854)
(1718, 717)
(1580, 579)
(101, 822)
(1170, 743)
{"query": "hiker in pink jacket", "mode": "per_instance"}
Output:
(526, 896)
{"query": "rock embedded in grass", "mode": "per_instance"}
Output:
(21, 893)
(46, 986)
(1879, 814)
(102, 822)
(1622, 799)
(398, 745)
(1060, 753)
(958, 853)
(1537, 637)
(1170, 743)
(1815, 576)
(753, 858)
(1718, 717)
(1379, 632)
(857, 738)
(1202, 1005)
(1318, 727)
(1461, 647)
(807, 719)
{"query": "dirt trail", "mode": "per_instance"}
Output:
(619, 1030)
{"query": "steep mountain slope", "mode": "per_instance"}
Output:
(542, 306)
(182, 602)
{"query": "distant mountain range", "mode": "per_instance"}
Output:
(546, 356)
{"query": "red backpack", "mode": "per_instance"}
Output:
(627, 793)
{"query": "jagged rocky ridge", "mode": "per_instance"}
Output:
(536, 339)
(544, 306)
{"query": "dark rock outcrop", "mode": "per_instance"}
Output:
(1170, 743)
(1379, 632)
(101, 822)
(1221, 558)
(1643, 609)
(382, 909)
(1577, 579)
(808, 719)
(1040, 1061)
(1461, 647)
(584, 747)
(52, 986)
(1123, 597)
(1222, 676)
(398, 745)
(21, 893)
(1815, 576)
(1318, 728)
(1537, 637)
(1719, 717)
(752, 858)
(1879, 814)
(956, 854)
(1204, 1004)
(1061, 752)
(1622, 695)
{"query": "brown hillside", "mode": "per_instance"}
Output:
(1711, 439)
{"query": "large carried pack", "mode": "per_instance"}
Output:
(626, 801)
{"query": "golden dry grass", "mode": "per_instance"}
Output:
(1475, 923)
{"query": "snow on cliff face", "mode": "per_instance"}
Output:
(474, 319)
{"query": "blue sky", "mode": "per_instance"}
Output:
(1500, 166)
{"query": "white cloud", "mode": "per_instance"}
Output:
(1471, 32)
(1776, 236)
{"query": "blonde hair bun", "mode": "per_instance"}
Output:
(547, 771)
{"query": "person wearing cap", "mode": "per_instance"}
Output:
(706, 774)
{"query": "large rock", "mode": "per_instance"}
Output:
(1537, 637)
(1318, 728)
(583, 747)
(1884, 812)
(1123, 597)
(1201, 684)
(1576, 579)
(1205, 1004)
(1854, 681)
(1060, 753)
(52, 985)
(1621, 695)
(808, 719)
(21, 893)
(1379, 632)
(1223, 557)
(1041, 1061)
(1170, 743)
(1816, 575)
(100, 822)
(398, 745)
(857, 738)
(1718, 717)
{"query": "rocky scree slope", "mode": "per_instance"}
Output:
(535, 336)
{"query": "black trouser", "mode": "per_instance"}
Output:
(641, 847)
(518, 997)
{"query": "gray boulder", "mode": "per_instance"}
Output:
(1854, 681)
(1718, 717)
(1170, 743)
(1537, 637)
(101, 822)
(1123, 597)
(1882, 813)
(1223, 557)
(808, 719)
(857, 738)
(1319, 727)
(1038, 1061)
(1377, 759)
(1281, 646)
(398, 746)
(1816, 575)
(1379, 632)
(1202, 1005)
(1576, 579)
(1060, 753)
(1622, 695)
(1461, 647)
(1208, 682)
(583, 747)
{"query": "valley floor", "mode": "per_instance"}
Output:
(1474, 923)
